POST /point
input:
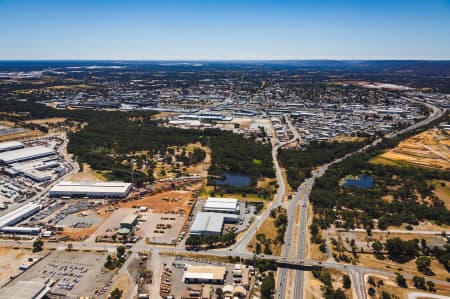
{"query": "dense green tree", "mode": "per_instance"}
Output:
(346, 282)
(401, 281)
(419, 282)
(120, 250)
(37, 245)
(267, 287)
(116, 293)
(423, 264)
(402, 251)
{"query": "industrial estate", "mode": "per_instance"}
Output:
(224, 180)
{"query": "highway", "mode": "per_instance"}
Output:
(287, 258)
(301, 199)
(241, 244)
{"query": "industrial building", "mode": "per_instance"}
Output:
(206, 223)
(222, 205)
(36, 175)
(11, 145)
(19, 214)
(127, 224)
(204, 274)
(24, 154)
(36, 172)
(19, 230)
(91, 189)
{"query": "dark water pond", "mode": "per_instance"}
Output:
(362, 182)
(235, 180)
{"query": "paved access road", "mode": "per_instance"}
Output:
(301, 199)
(241, 244)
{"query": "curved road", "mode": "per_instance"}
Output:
(302, 198)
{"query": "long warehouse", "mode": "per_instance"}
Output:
(11, 145)
(206, 223)
(91, 189)
(19, 214)
(24, 154)
(222, 205)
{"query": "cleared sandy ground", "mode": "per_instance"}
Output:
(429, 149)
(86, 175)
(10, 260)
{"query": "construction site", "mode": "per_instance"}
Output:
(429, 149)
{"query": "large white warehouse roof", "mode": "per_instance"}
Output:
(219, 204)
(19, 214)
(11, 145)
(206, 223)
(26, 154)
(67, 188)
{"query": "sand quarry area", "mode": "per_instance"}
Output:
(429, 149)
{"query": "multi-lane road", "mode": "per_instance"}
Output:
(288, 257)
(301, 200)
(241, 244)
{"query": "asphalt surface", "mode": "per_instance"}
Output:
(301, 199)
(241, 244)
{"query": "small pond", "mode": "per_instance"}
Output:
(233, 179)
(362, 182)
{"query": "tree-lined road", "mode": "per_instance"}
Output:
(301, 199)
(287, 259)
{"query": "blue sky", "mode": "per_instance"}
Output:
(231, 29)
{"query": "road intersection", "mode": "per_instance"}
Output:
(300, 200)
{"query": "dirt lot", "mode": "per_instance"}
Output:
(200, 168)
(11, 259)
(109, 224)
(164, 170)
(87, 175)
(345, 138)
(269, 231)
(316, 254)
(176, 204)
(390, 286)
(46, 121)
(369, 260)
(79, 234)
(430, 149)
(121, 283)
(22, 135)
(362, 240)
(442, 191)
(165, 202)
(163, 115)
(313, 287)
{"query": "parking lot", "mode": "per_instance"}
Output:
(160, 228)
(73, 273)
(246, 217)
